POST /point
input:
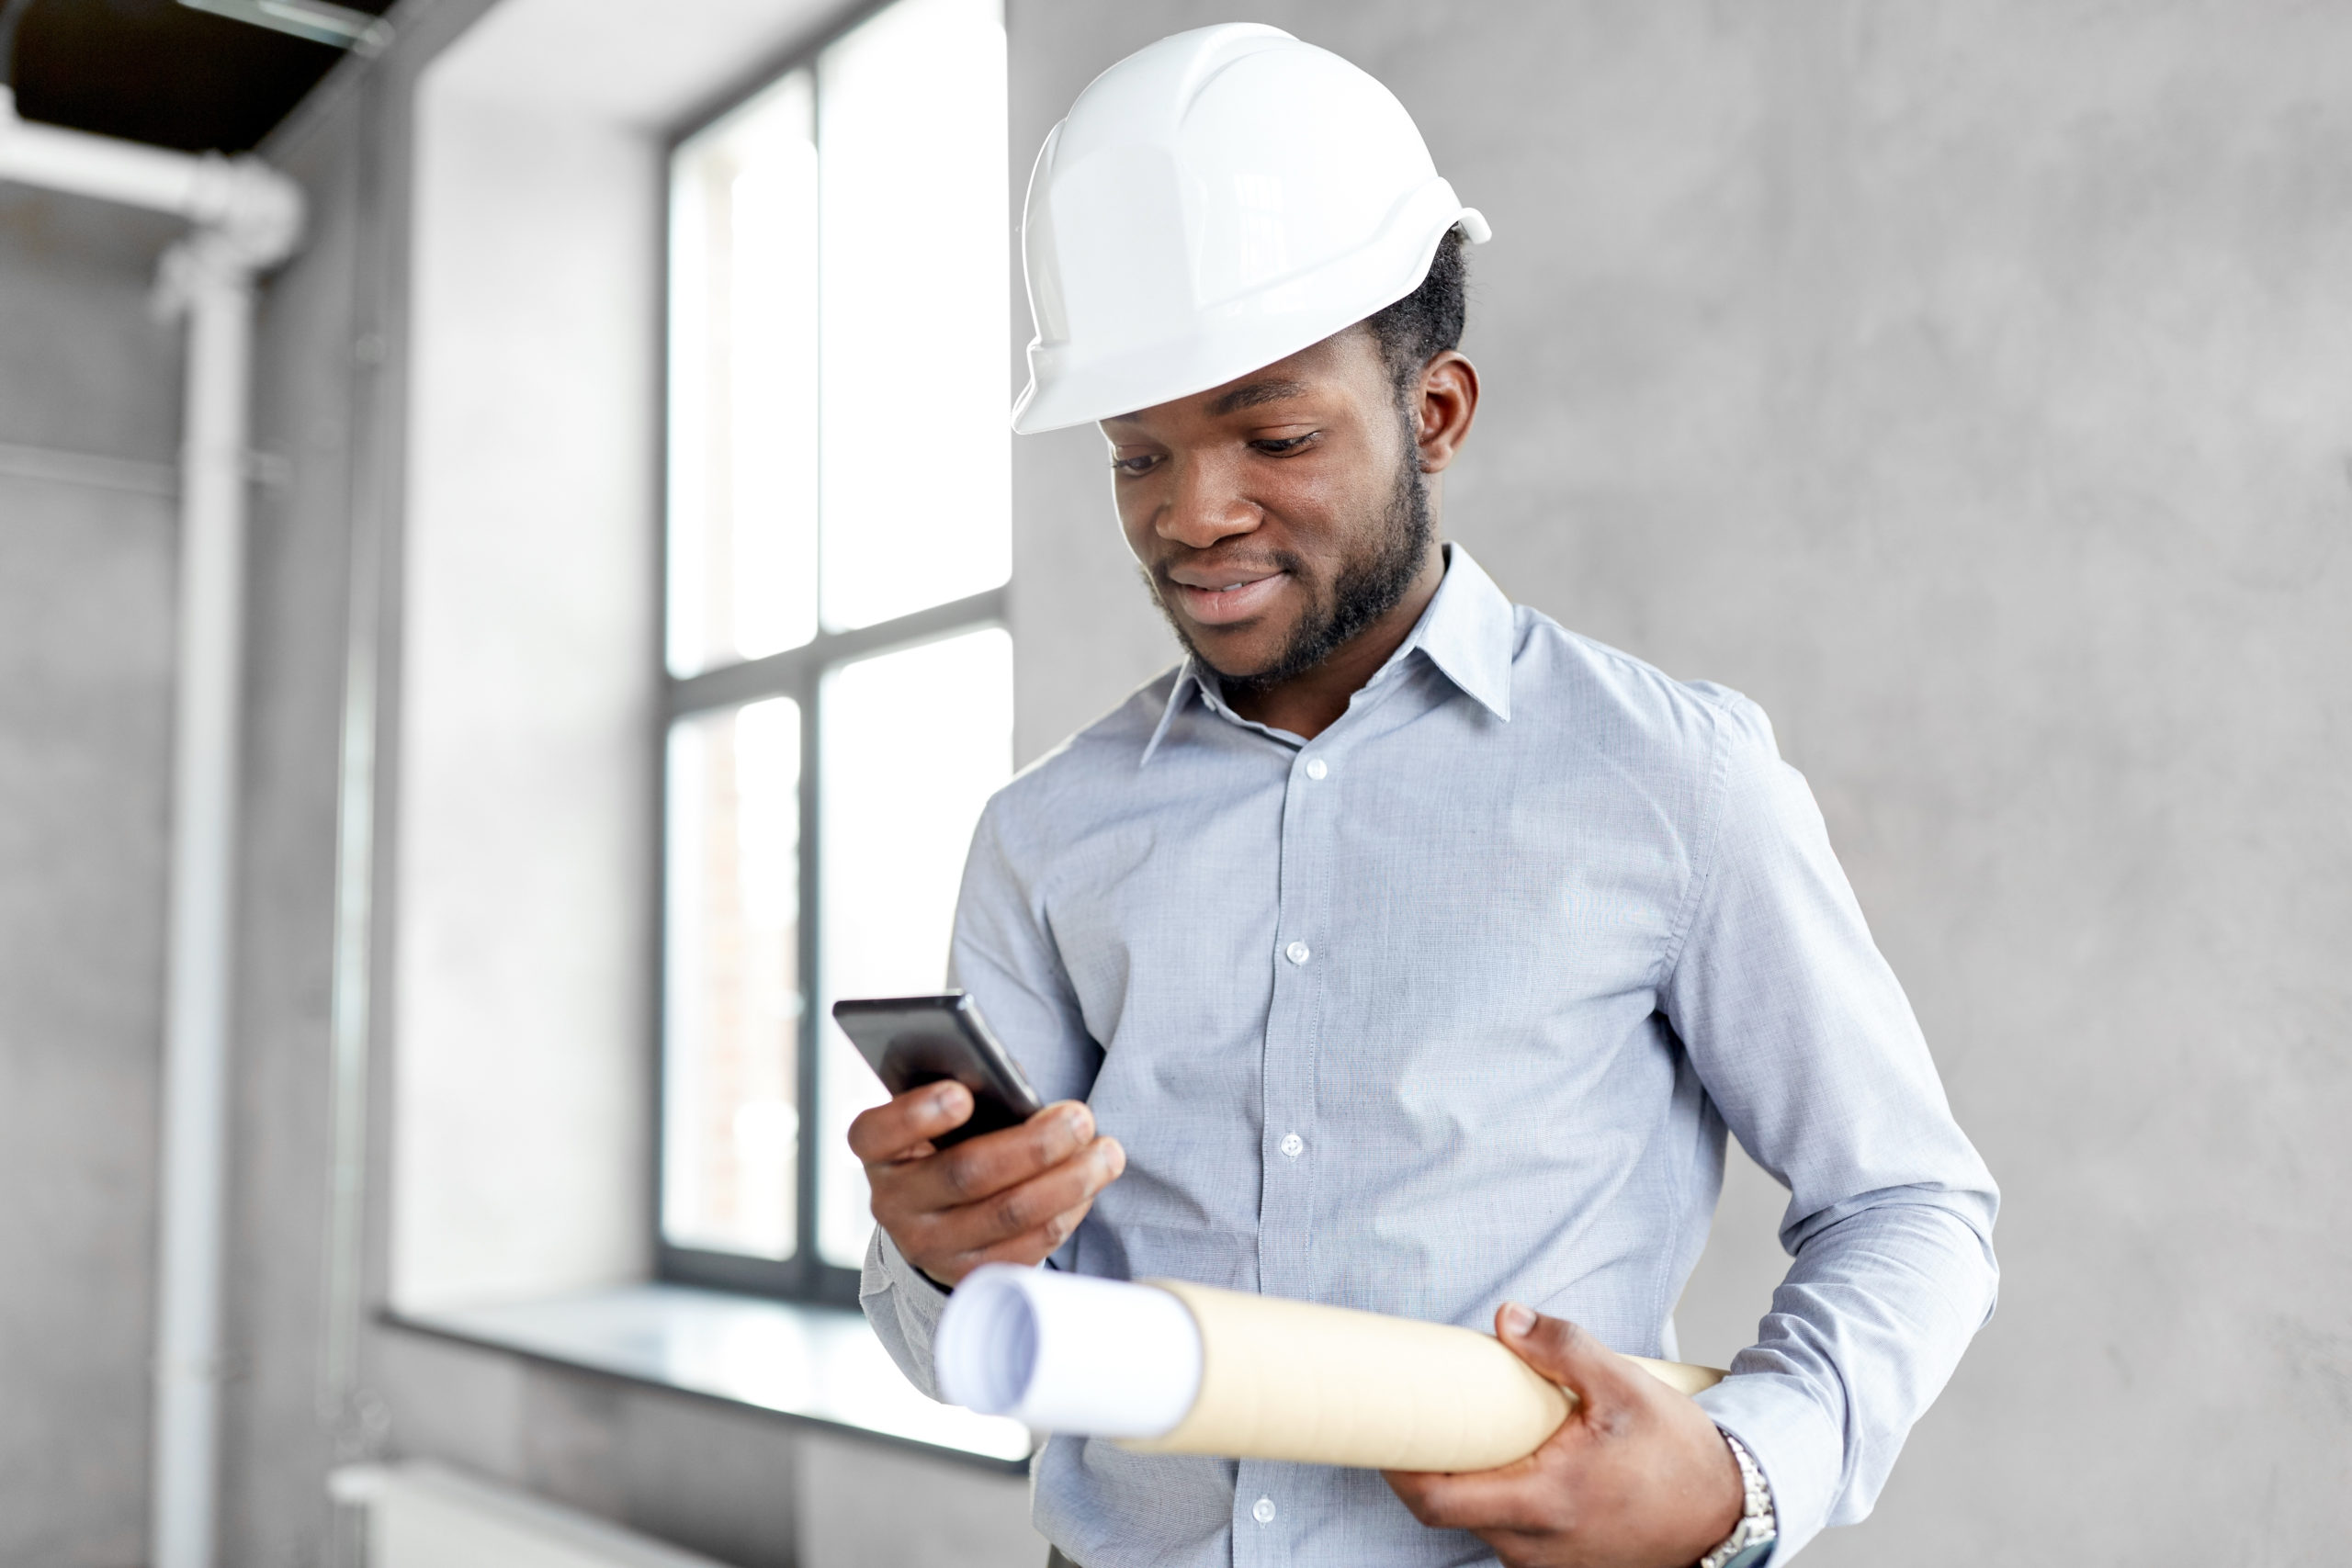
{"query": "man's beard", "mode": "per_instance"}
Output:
(1366, 588)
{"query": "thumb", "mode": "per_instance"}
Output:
(1566, 1354)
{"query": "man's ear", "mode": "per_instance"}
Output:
(1448, 402)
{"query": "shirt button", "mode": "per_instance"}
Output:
(1293, 1144)
(1298, 953)
(1262, 1510)
(1316, 768)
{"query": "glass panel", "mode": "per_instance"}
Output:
(914, 744)
(733, 981)
(743, 320)
(917, 230)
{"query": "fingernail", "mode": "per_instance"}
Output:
(1114, 1157)
(943, 1097)
(1518, 1320)
(1079, 1119)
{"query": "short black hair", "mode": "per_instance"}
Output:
(1429, 321)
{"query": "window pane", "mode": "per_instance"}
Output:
(916, 451)
(914, 744)
(744, 319)
(732, 998)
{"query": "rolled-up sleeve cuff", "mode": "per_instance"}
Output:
(903, 1304)
(1794, 1442)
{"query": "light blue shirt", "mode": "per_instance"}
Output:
(1452, 1005)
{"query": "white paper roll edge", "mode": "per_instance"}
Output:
(1067, 1353)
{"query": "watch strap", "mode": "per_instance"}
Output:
(1751, 1541)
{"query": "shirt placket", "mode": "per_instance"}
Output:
(1264, 1518)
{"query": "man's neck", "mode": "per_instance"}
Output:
(1309, 703)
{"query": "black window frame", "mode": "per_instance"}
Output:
(798, 673)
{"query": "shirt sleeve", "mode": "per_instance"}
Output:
(903, 1306)
(1809, 1048)
(1005, 956)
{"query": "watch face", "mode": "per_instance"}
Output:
(1752, 1557)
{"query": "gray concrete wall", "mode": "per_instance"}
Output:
(1966, 384)
(1962, 382)
(705, 1477)
(278, 1443)
(85, 637)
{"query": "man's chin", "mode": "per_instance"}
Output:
(1235, 670)
(1237, 656)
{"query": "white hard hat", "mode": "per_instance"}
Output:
(1214, 203)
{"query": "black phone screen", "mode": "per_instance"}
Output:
(912, 1041)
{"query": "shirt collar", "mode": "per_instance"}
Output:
(1467, 632)
(1188, 680)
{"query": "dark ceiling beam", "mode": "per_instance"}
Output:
(168, 73)
(341, 27)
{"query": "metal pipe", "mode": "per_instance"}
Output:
(248, 216)
(196, 1009)
(90, 469)
(98, 166)
(207, 189)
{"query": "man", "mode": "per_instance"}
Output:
(1401, 949)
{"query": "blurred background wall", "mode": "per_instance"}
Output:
(85, 690)
(1965, 383)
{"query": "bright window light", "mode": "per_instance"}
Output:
(744, 394)
(914, 744)
(732, 927)
(839, 462)
(917, 465)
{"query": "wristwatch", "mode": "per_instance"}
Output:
(1751, 1541)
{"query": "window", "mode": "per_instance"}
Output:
(840, 691)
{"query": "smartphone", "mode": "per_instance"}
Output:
(912, 1041)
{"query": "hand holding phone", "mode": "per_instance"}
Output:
(966, 1166)
(912, 1041)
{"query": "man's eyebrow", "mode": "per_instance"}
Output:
(1256, 392)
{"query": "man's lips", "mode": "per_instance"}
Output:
(1223, 605)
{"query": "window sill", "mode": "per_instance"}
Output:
(815, 1364)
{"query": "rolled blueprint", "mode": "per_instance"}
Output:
(1068, 1353)
(1168, 1366)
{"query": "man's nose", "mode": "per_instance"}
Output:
(1207, 505)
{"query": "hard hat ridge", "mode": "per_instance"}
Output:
(1212, 203)
(1165, 79)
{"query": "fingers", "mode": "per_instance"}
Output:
(1513, 1497)
(1499, 1499)
(1029, 1246)
(1635, 1474)
(1023, 1223)
(1602, 1381)
(983, 1166)
(1009, 1196)
(1025, 1206)
(895, 1129)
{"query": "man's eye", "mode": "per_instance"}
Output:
(1142, 464)
(1276, 448)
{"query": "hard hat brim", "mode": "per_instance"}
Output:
(1249, 333)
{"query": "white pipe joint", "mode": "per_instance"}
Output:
(256, 210)
(253, 212)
